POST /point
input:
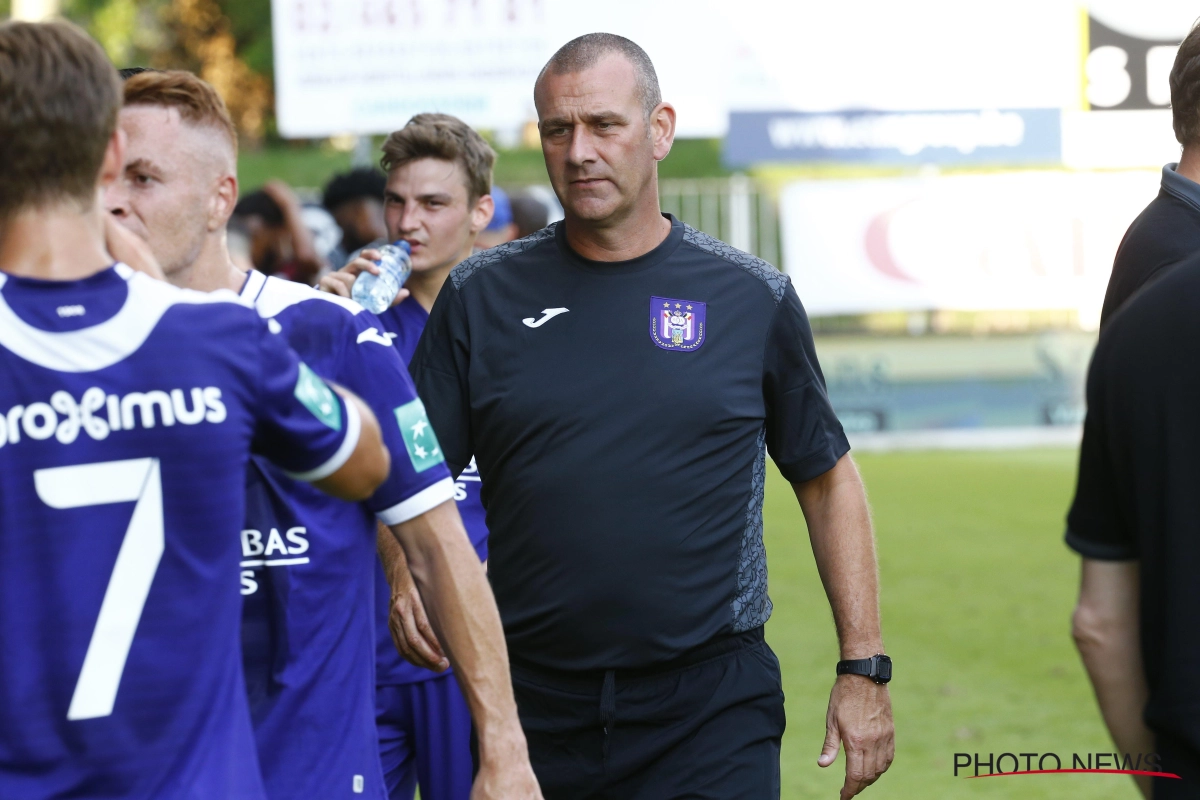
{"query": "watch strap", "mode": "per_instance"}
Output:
(878, 668)
(855, 666)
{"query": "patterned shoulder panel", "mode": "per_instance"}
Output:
(494, 255)
(772, 278)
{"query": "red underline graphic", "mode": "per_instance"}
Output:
(1091, 771)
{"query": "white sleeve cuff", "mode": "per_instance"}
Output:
(429, 497)
(335, 462)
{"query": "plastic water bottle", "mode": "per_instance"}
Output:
(375, 293)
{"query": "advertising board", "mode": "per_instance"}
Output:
(1015, 240)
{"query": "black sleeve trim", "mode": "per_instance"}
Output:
(1097, 551)
(817, 464)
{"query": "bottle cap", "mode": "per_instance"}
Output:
(403, 245)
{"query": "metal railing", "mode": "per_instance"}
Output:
(735, 210)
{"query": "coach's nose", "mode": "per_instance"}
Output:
(583, 147)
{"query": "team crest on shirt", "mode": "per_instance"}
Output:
(677, 324)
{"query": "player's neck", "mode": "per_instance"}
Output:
(213, 269)
(425, 286)
(60, 243)
(636, 233)
(1189, 163)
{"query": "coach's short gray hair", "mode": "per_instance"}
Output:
(583, 52)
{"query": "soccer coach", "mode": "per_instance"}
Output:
(619, 378)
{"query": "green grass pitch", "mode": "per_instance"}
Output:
(977, 591)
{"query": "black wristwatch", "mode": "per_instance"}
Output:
(877, 668)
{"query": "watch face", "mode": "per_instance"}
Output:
(883, 668)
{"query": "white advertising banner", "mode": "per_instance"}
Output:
(1001, 241)
(365, 66)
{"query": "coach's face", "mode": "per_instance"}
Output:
(601, 147)
(176, 189)
(427, 204)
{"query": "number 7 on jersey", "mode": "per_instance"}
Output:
(137, 561)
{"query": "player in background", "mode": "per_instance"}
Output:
(502, 227)
(438, 200)
(126, 408)
(530, 214)
(355, 199)
(308, 571)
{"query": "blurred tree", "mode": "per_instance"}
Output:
(214, 38)
(226, 42)
(131, 31)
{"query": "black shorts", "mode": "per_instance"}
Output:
(707, 726)
(1181, 759)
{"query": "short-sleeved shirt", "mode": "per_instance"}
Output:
(309, 560)
(1138, 471)
(128, 411)
(620, 413)
(404, 323)
(1164, 234)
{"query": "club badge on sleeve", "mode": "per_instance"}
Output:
(677, 324)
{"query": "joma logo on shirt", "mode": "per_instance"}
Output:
(99, 414)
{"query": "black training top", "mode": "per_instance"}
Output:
(1164, 234)
(618, 414)
(1139, 470)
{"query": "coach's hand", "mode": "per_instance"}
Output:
(341, 282)
(411, 631)
(506, 776)
(860, 716)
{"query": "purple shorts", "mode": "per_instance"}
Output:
(425, 738)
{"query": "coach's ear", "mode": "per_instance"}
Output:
(662, 130)
(221, 204)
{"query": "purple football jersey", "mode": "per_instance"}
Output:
(128, 411)
(309, 561)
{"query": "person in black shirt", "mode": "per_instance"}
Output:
(1168, 230)
(1136, 522)
(619, 378)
